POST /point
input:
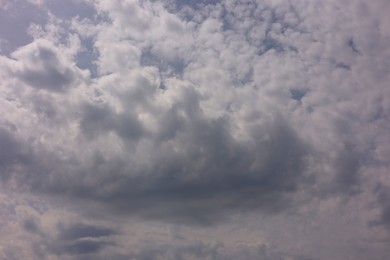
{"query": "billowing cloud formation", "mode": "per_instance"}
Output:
(39, 65)
(137, 129)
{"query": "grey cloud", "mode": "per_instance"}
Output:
(13, 155)
(78, 231)
(346, 174)
(217, 251)
(212, 174)
(81, 239)
(96, 120)
(102, 119)
(46, 70)
(47, 108)
(197, 172)
(51, 79)
(31, 226)
(206, 112)
(79, 247)
(351, 43)
(347, 168)
(383, 199)
(66, 241)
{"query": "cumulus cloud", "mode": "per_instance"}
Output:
(121, 118)
(39, 65)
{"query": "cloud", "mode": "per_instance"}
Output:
(200, 250)
(81, 239)
(198, 116)
(41, 66)
(202, 182)
(382, 194)
(78, 231)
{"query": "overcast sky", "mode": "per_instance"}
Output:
(179, 129)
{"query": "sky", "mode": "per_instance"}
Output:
(179, 129)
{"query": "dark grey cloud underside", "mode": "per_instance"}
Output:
(383, 199)
(47, 72)
(212, 176)
(75, 239)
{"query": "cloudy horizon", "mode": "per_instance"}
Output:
(177, 129)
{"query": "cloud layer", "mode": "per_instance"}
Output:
(207, 130)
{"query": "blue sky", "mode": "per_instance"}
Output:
(194, 130)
